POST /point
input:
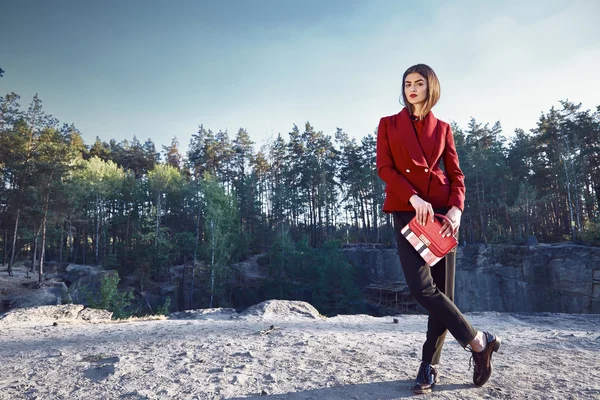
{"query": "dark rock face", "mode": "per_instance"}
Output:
(541, 278)
(379, 265)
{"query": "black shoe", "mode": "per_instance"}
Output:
(426, 379)
(483, 359)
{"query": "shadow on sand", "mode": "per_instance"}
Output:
(372, 391)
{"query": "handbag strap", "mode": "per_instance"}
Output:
(447, 219)
(444, 217)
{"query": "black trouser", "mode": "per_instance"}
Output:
(433, 288)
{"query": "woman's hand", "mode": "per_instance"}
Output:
(451, 228)
(422, 208)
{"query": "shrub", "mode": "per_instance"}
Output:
(164, 309)
(591, 232)
(113, 299)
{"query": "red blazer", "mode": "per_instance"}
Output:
(408, 167)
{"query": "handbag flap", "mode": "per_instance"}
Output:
(430, 235)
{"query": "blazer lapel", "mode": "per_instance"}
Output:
(407, 132)
(430, 142)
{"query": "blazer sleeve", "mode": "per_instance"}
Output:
(386, 169)
(454, 173)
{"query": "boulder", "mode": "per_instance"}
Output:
(532, 241)
(94, 315)
(48, 293)
(204, 314)
(84, 281)
(61, 313)
(281, 309)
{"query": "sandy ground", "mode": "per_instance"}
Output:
(283, 350)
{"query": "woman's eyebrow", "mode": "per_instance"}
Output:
(418, 80)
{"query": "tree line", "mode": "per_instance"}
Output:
(129, 206)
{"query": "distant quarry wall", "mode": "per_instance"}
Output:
(542, 278)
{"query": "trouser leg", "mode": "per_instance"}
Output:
(443, 277)
(427, 287)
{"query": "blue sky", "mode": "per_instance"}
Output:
(158, 69)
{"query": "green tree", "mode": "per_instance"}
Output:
(163, 179)
(55, 154)
(242, 181)
(100, 180)
(278, 171)
(221, 229)
(101, 150)
(203, 155)
(172, 155)
(26, 132)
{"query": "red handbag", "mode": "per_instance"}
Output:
(428, 240)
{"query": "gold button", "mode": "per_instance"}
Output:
(426, 170)
(408, 170)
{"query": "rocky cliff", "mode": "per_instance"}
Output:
(541, 278)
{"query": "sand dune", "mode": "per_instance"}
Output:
(283, 350)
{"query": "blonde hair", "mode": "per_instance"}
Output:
(433, 88)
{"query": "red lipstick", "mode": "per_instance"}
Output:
(413, 95)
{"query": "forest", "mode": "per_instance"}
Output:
(129, 206)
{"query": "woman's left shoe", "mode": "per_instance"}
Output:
(426, 379)
(483, 359)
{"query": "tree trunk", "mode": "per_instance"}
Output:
(362, 215)
(105, 227)
(61, 242)
(84, 246)
(589, 201)
(43, 250)
(157, 220)
(375, 222)
(35, 247)
(195, 253)
(527, 224)
(480, 206)
(43, 227)
(320, 218)
(97, 249)
(212, 263)
(114, 230)
(569, 201)
(5, 252)
(327, 220)
(75, 243)
(127, 234)
(364, 205)
(70, 243)
(356, 223)
(14, 243)
(311, 224)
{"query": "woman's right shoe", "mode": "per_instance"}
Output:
(426, 379)
(483, 359)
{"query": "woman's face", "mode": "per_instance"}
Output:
(415, 88)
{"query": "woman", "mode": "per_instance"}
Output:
(410, 147)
